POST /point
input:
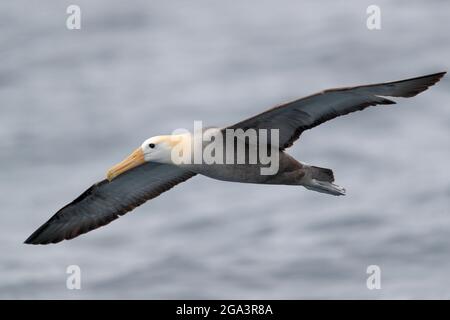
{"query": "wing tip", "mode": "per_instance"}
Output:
(39, 236)
(32, 239)
(407, 88)
(424, 82)
(435, 77)
(46, 234)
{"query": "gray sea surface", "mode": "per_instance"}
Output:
(75, 102)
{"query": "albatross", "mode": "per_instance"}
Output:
(151, 170)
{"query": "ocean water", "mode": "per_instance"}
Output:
(75, 102)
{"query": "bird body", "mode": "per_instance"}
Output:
(229, 166)
(229, 154)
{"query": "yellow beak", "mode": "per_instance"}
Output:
(135, 159)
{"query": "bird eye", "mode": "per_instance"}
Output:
(151, 145)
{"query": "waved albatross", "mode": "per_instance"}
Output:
(150, 170)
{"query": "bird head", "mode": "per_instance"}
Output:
(154, 149)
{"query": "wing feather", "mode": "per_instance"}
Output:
(106, 200)
(297, 116)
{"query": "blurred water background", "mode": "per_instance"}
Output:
(73, 103)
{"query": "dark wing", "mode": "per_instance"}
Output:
(106, 200)
(297, 116)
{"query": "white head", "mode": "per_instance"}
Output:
(158, 149)
(154, 149)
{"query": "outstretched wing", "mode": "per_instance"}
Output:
(297, 116)
(106, 200)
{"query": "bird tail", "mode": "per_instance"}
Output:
(322, 174)
(321, 180)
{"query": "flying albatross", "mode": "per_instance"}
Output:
(150, 169)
